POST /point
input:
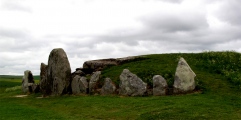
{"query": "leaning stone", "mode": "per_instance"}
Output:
(159, 86)
(27, 81)
(184, 78)
(131, 85)
(108, 87)
(79, 85)
(93, 81)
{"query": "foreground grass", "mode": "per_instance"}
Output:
(220, 97)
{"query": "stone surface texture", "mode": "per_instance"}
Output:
(160, 86)
(131, 84)
(27, 81)
(79, 85)
(94, 79)
(45, 86)
(98, 65)
(184, 78)
(56, 77)
(108, 87)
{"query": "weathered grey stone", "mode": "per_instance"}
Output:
(79, 85)
(78, 72)
(75, 85)
(184, 78)
(131, 85)
(108, 87)
(98, 65)
(27, 81)
(84, 85)
(45, 86)
(93, 81)
(58, 73)
(159, 86)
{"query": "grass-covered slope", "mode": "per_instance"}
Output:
(218, 75)
(227, 64)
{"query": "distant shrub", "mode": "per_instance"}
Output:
(146, 76)
(225, 63)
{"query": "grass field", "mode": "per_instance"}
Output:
(218, 76)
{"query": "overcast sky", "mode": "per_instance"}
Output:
(94, 29)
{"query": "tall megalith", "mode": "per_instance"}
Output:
(56, 76)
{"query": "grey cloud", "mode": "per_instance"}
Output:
(13, 33)
(13, 40)
(230, 11)
(191, 32)
(17, 44)
(175, 22)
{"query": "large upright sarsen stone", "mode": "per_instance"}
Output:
(184, 78)
(58, 72)
(131, 84)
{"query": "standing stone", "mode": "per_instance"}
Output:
(79, 85)
(45, 86)
(184, 78)
(159, 86)
(131, 84)
(93, 81)
(27, 81)
(108, 87)
(58, 73)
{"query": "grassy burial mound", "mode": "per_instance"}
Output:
(227, 64)
(218, 77)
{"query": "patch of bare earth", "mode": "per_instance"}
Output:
(20, 96)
